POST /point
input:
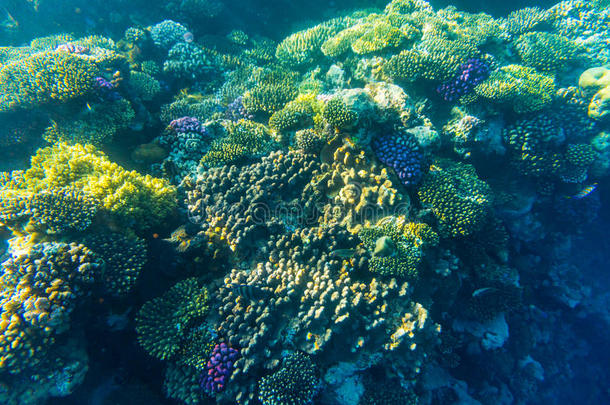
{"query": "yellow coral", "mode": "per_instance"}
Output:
(141, 201)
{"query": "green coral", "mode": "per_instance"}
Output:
(308, 140)
(51, 42)
(526, 19)
(546, 51)
(521, 87)
(581, 154)
(244, 139)
(397, 246)
(182, 383)
(95, 124)
(303, 47)
(435, 59)
(135, 200)
(374, 33)
(296, 114)
(338, 114)
(162, 322)
(45, 77)
(123, 257)
(63, 209)
(296, 383)
(196, 348)
(272, 90)
(146, 86)
(458, 198)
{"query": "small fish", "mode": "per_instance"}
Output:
(89, 108)
(483, 291)
(343, 253)
(585, 191)
(249, 291)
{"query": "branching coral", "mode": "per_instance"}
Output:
(458, 198)
(40, 286)
(397, 246)
(295, 383)
(48, 76)
(546, 51)
(434, 58)
(518, 86)
(271, 91)
(162, 322)
(303, 47)
(137, 201)
(123, 258)
(244, 140)
(359, 191)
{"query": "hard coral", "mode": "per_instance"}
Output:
(296, 383)
(459, 199)
(162, 322)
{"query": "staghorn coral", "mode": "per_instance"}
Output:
(63, 209)
(295, 383)
(145, 86)
(95, 124)
(162, 322)
(518, 86)
(303, 47)
(123, 257)
(338, 114)
(187, 60)
(40, 287)
(459, 199)
(271, 91)
(526, 19)
(182, 384)
(137, 201)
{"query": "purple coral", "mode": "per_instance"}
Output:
(470, 73)
(236, 111)
(219, 368)
(400, 151)
(106, 89)
(187, 124)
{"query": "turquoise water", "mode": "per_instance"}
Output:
(346, 202)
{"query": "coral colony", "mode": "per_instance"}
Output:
(396, 205)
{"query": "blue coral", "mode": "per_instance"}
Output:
(401, 152)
